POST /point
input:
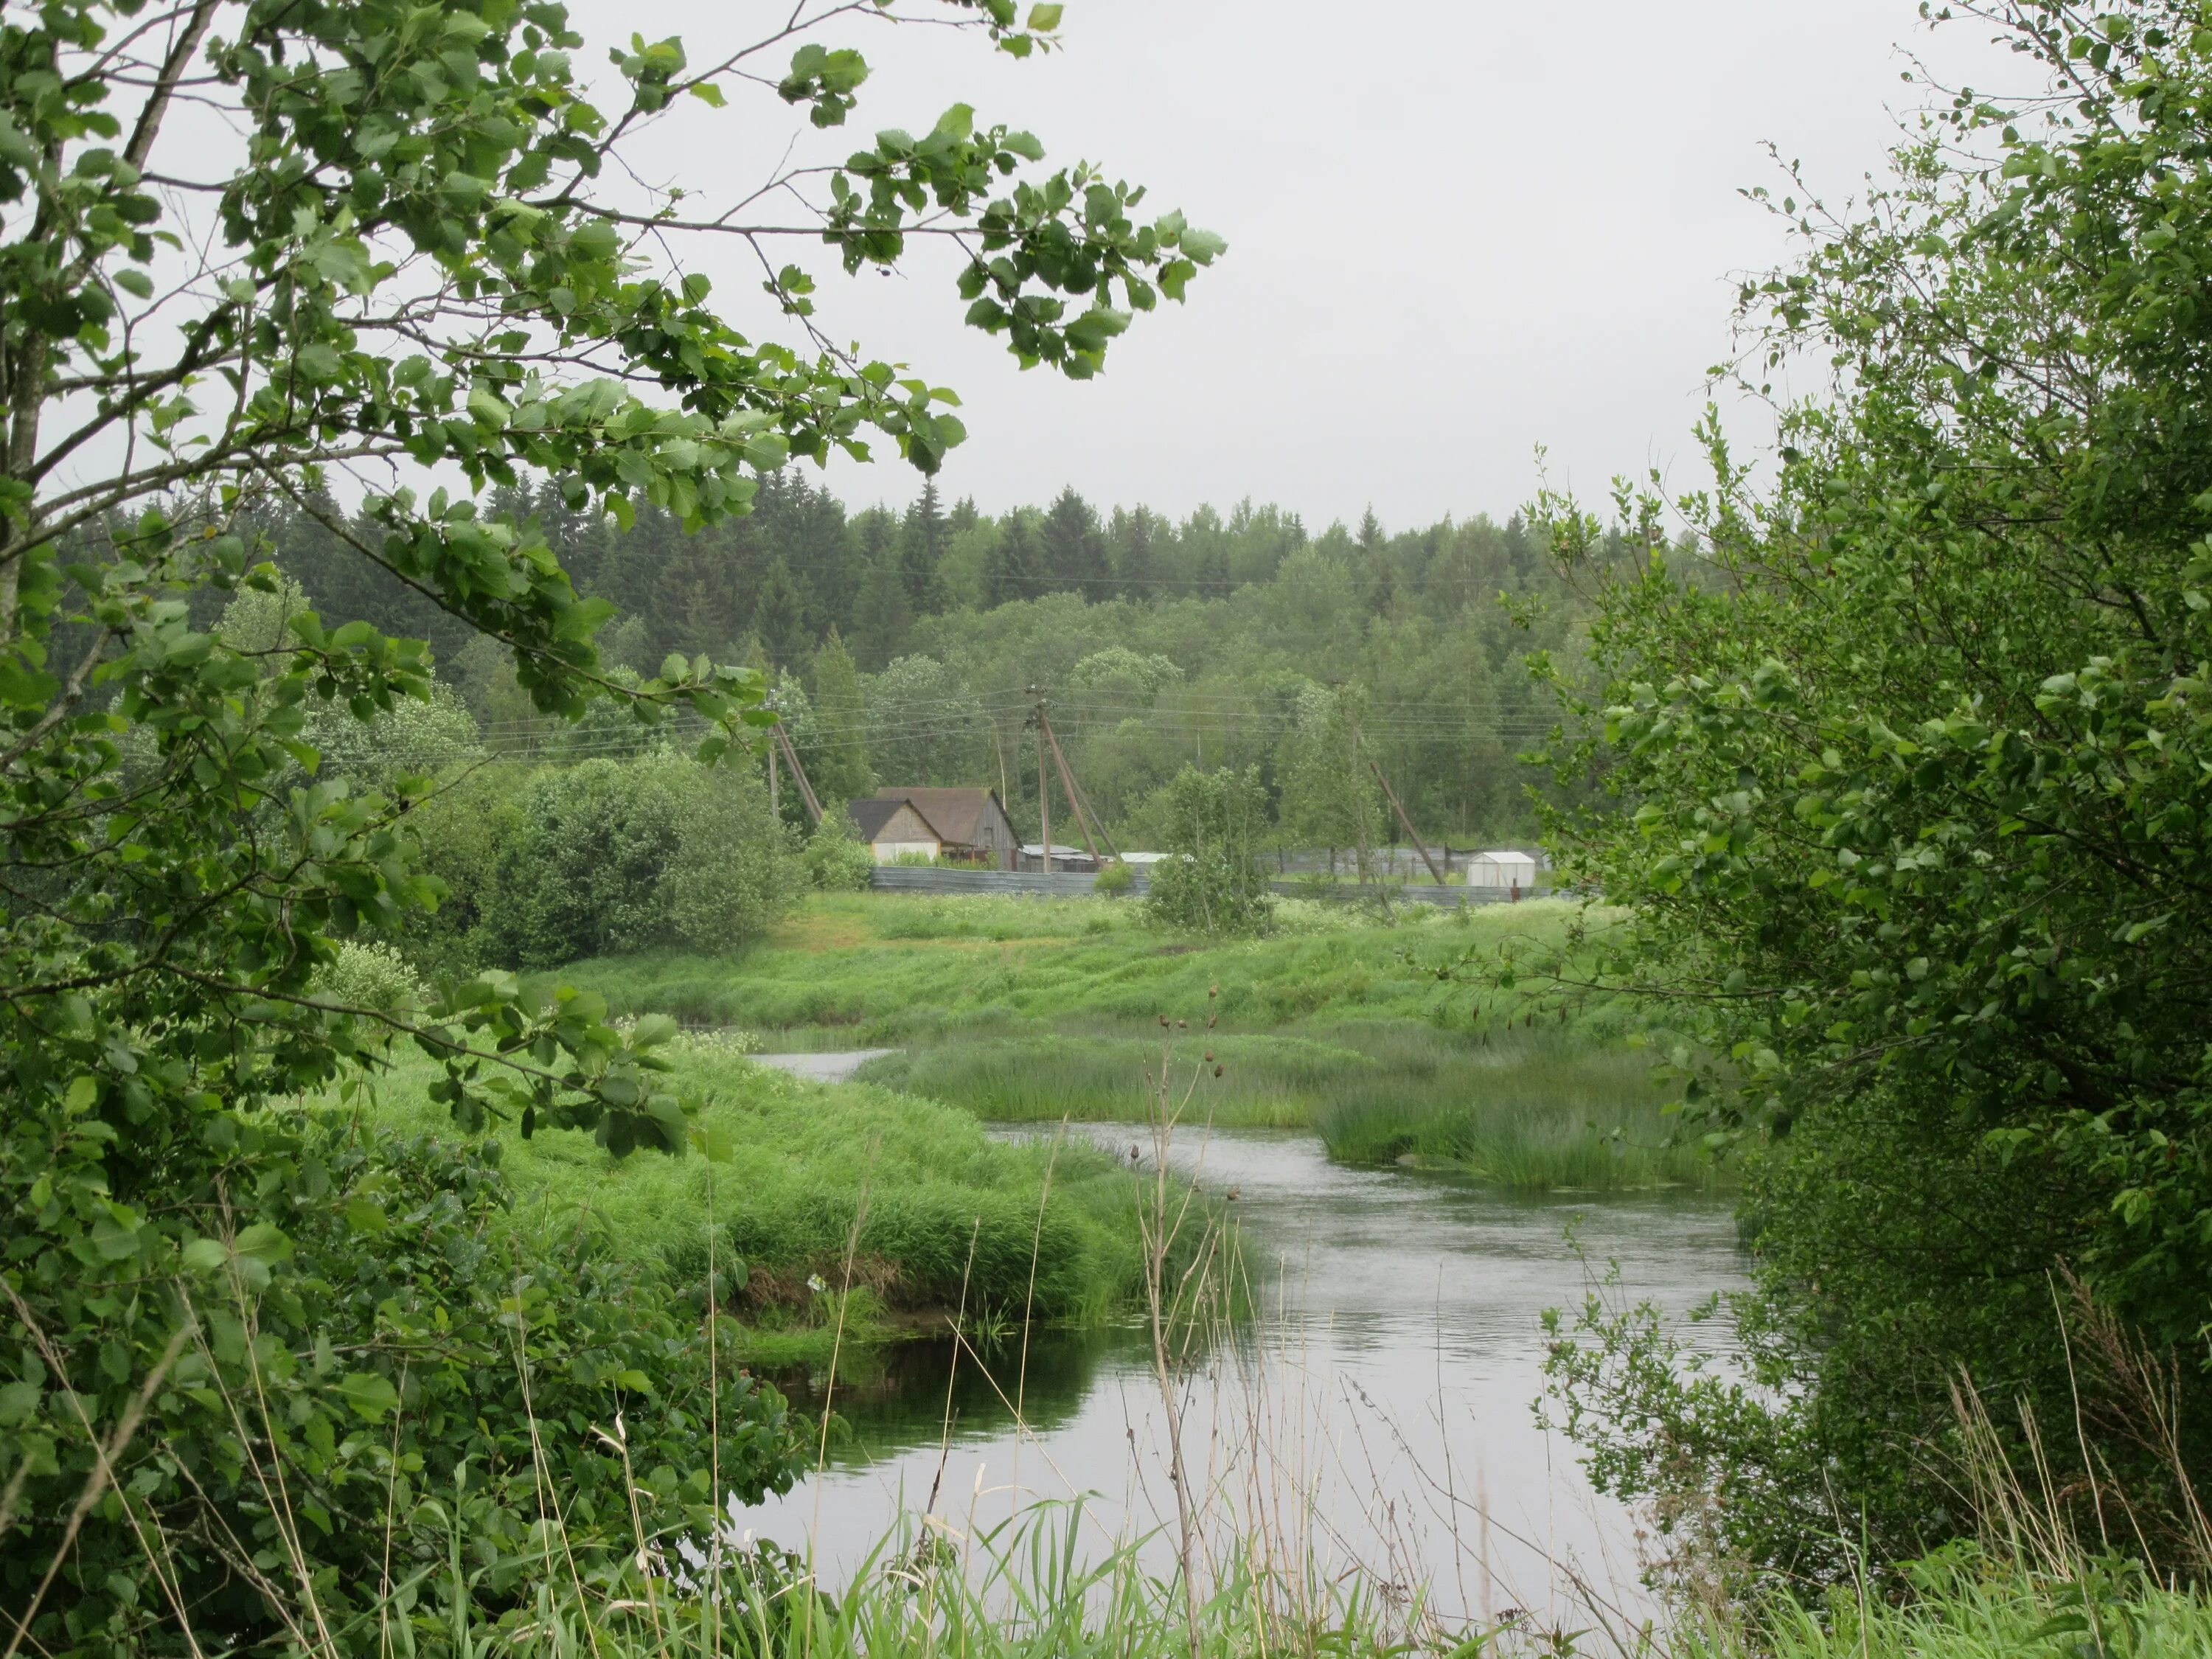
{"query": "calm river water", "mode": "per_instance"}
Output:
(1380, 1412)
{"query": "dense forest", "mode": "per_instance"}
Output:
(909, 647)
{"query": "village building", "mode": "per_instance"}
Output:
(1508, 868)
(951, 826)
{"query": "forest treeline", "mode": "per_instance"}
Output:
(909, 647)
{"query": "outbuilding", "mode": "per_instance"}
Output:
(1506, 868)
(954, 826)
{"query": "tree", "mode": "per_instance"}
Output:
(1330, 798)
(389, 239)
(1074, 554)
(1920, 749)
(842, 772)
(1212, 826)
(777, 616)
(1134, 536)
(922, 538)
(1013, 567)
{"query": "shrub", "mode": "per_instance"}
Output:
(1115, 879)
(836, 861)
(1214, 883)
(610, 856)
(350, 1322)
(371, 976)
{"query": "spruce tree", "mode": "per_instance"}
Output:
(922, 539)
(1014, 567)
(842, 772)
(1074, 553)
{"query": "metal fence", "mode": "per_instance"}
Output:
(1068, 884)
(945, 878)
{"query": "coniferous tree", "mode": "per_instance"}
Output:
(922, 551)
(777, 616)
(842, 772)
(1014, 567)
(1135, 535)
(882, 617)
(1377, 580)
(1074, 553)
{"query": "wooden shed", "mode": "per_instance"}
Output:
(954, 826)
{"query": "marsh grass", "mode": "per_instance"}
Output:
(951, 1207)
(1527, 1109)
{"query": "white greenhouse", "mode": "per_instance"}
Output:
(1507, 869)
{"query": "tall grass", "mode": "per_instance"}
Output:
(939, 1204)
(874, 969)
(1526, 1110)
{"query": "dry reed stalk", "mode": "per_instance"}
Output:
(104, 1455)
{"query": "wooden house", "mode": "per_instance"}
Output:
(951, 826)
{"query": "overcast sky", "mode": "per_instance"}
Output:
(1458, 229)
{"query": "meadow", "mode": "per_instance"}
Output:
(1368, 1028)
(823, 1210)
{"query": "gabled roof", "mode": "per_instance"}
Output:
(956, 815)
(869, 816)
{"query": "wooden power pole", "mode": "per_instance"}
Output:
(1412, 834)
(1044, 792)
(798, 774)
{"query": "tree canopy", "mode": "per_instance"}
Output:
(381, 269)
(1914, 754)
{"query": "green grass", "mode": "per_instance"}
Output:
(1026, 1010)
(1529, 1110)
(870, 969)
(1964, 1605)
(935, 1200)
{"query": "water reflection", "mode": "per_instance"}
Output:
(1378, 1411)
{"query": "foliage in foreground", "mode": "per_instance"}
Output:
(1920, 748)
(387, 237)
(910, 1202)
(372, 1359)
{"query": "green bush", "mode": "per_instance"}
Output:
(545, 866)
(1115, 880)
(836, 861)
(1212, 823)
(346, 1320)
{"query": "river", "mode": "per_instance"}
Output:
(1378, 1412)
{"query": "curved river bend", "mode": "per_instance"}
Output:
(1378, 1412)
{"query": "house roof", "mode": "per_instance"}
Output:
(956, 815)
(870, 815)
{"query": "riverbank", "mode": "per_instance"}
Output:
(1363, 1026)
(825, 1209)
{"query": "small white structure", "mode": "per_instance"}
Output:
(1507, 869)
(1030, 856)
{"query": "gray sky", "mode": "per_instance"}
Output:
(1457, 231)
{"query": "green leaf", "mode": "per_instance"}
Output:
(264, 1243)
(205, 1256)
(1044, 19)
(369, 1393)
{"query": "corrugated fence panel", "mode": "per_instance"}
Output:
(941, 878)
(1068, 884)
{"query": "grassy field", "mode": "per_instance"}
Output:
(1030, 1010)
(916, 1193)
(859, 969)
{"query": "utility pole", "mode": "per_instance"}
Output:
(774, 794)
(798, 774)
(1044, 790)
(1067, 782)
(1413, 834)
